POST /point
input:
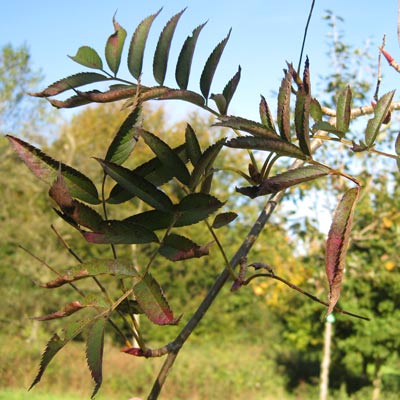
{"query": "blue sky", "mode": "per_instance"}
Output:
(265, 33)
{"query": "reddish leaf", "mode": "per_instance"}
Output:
(266, 115)
(337, 243)
(69, 309)
(150, 297)
(284, 107)
(286, 179)
(177, 248)
(114, 46)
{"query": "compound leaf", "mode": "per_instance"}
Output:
(160, 61)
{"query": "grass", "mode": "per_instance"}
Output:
(203, 371)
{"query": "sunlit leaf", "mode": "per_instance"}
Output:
(337, 244)
(125, 140)
(284, 107)
(167, 156)
(149, 295)
(316, 110)
(343, 110)
(184, 63)
(266, 115)
(177, 248)
(137, 185)
(114, 46)
(326, 127)
(242, 124)
(138, 44)
(94, 351)
(88, 57)
(223, 219)
(119, 268)
(161, 54)
(204, 163)
(192, 145)
(121, 232)
(46, 169)
(380, 112)
(210, 67)
(286, 179)
(276, 145)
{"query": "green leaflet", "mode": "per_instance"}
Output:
(119, 268)
(184, 63)
(230, 89)
(192, 145)
(210, 67)
(138, 44)
(152, 301)
(266, 115)
(71, 82)
(380, 112)
(243, 124)
(261, 143)
(94, 351)
(196, 207)
(137, 185)
(343, 110)
(153, 170)
(88, 57)
(153, 219)
(121, 232)
(284, 107)
(205, 163)
(337, 243)
(315, 110)
(169, 159)
(327, 127)
(57, 342)
(125, 140)
(223, 219)
(46, 169)
(286, 179)
(114, 46)
(161, 54)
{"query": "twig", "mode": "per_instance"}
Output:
(298, 289)
(305, 35)
(358, 111)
